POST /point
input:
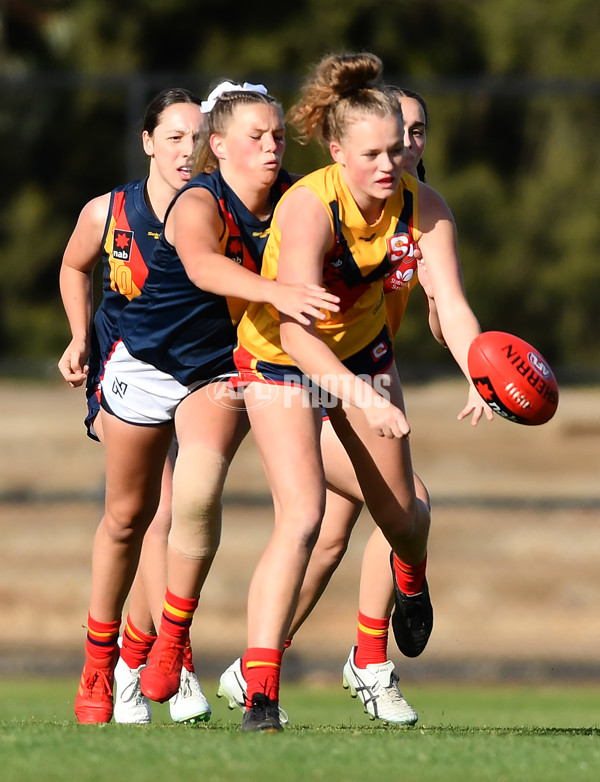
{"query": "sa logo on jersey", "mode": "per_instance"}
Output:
(401, 248)
(122, 243)
(401, 252)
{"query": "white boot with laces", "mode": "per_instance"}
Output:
(189, 704)
(377, 687)
(131, 707)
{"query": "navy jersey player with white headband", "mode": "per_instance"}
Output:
(179, 328)
(155, 387)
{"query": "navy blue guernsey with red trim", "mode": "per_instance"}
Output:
(176, 326)
(129, 239)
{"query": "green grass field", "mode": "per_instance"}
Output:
(500, 733)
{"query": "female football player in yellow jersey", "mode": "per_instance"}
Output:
(368, 672)
(348, 226)
(379, 692)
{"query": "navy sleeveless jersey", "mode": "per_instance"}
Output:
(176, 326)
(130, 236)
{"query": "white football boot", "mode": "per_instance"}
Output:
(189, 703)
(232, 686)
(131, 707)
(377, 687)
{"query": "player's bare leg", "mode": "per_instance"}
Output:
(287, 437)
(384, 469)
(135, 458)
(210, 434)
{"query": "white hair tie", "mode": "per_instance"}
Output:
(226, 86)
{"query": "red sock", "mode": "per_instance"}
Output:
(177, 616)
(101, 641)
(409, 577)
(261, 669)
(287, 644)
(372, 640)
(136, 645)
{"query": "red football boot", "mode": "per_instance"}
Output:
(94, 701)
(159, 680)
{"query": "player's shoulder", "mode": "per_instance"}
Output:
(98, 206)
(204, 187)
(302, 198)
(197, 203)
(318, 183)
(432, 204)
(95, 211)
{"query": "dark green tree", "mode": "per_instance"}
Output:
(513, 91)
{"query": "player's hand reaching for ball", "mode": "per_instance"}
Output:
(475, 407)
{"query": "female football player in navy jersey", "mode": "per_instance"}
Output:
(352, 226)
(122, 228)
(167, 375)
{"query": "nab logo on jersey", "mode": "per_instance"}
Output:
(122, 242)
(235, 249)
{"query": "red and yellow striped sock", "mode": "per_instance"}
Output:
(409, 577)
(101, 640)
(262, 669)
(177, 616)
(371, 640)
(136, 645)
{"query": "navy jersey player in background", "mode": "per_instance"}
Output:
(121, 229)
(167, 376)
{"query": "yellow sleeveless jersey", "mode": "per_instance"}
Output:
(362, 257)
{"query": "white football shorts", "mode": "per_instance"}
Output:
(138, 392)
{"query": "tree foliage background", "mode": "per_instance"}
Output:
(513, 88)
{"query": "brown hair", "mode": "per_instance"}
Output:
(202, 159)
(341, 86)
(162, 101)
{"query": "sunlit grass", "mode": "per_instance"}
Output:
(464, 733)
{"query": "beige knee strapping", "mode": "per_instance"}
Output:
(198, 480)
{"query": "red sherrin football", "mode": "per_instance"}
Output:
(513, 378)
